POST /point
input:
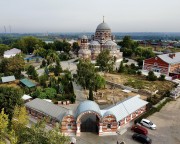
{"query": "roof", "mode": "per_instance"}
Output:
(26, 97)
(27, 83)
(84, 37)
(103, 26)
(8, 79)
(47, 108)
(166, 58)
(94, 43)
(12, 51)
(110, 42)
(87, 106)
(126, 107)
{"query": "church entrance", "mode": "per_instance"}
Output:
(89, 123)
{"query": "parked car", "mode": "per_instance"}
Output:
(139, 129)
(148, 123)
(142, 138)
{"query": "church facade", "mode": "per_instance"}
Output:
(103, 39)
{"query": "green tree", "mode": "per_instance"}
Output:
(105, 61)
(50, 92)
(121, 67)
(32, 72)
(28, 44)
(3, 48)
(43, 79)
(3, 127)
(162, 77)
(12, 65)
(75, 47)
(40, 52)
(38, 134)
(91, 94)
(43, 63)
(10, 97)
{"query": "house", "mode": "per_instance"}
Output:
(11, 52)
(8, 79)
(166, 64)
(88, 117)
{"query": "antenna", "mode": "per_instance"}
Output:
(103, 19)
(4, 29)
(10, 28)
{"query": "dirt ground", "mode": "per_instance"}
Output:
(139, 82)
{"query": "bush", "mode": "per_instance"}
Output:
(162, 78)
(139, 72)
(151, 76)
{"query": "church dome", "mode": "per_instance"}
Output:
(95, 43)
(103, 26)
(84, 37)
(110, 43)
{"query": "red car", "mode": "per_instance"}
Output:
(139, 129)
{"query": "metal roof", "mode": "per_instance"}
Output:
(169, 60)
(126, 107)
(87, 106)
(26, 97)
(27, 83)
(12, 51)
(103, 26)
(47, 108)
(8, 79)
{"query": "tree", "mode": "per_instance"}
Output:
(121, 67)
(28, 44)
(75, 47)
(105, 61)
(9, 98)
(91, 94)
(43, 63)
(38, 134)
(57, 70)
(3, 126)
(151, 76)
(50, 92)
(3, 48)
(40, 52)
(127, 42)
(32, 72)
(43, 79)
(12, 65)
(19, 120)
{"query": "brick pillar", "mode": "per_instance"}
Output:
(78, 131)
(100, 129)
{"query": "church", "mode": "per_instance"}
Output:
(103, 39)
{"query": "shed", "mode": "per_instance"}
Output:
(27, 83)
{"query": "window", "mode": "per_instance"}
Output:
(109, 126)
(69, 126)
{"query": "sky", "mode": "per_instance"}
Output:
(28, 16)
